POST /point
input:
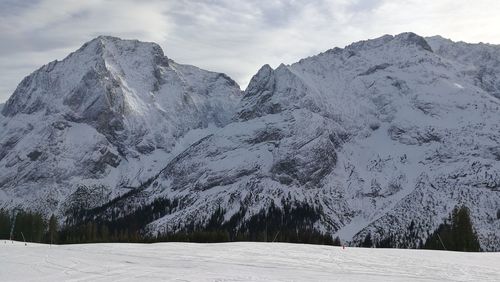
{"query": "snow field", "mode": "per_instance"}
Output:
(244, 261)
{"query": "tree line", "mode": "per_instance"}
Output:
(455, 234)
(29, 226)
(291, 222)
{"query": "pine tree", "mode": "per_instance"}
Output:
(53, 230)
(464, 236)
(30, 225)
(367, 243)
(4, 224)
(104, 233)
(336, 242)
(457, 235)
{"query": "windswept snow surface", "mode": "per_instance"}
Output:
(238, 262)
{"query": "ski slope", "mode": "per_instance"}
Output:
(238, 262)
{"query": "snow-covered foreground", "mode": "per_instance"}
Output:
(238, 262)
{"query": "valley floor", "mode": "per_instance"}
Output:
(238, 262)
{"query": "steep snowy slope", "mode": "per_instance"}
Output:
(480, 61)
(102, 121)
(385, 137)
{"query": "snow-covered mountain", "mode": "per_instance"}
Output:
(103, 120)
(383, 137)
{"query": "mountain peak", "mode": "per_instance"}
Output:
(264, 72)
(106, 60)
(411, 38)
(403, 40)
(105, 44)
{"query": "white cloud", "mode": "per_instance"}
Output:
(235, 37)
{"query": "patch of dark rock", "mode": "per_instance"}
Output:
(8, 145)
(495, 151)
(374, 69)
(60, 125)
(427, 137)
(266, 135)
(374, 125)
(412, 38)
(34, 155)
(222, 180)
(310, 170)
(145, 148)
(107, 158)
(395, 132)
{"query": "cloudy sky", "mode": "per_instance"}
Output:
(235, 37)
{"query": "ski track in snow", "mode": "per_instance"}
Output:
(242, 261)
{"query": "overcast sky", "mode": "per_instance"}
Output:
(235, 37)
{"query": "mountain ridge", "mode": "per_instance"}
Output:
(379, 136)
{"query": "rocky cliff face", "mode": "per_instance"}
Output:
(384, 137)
